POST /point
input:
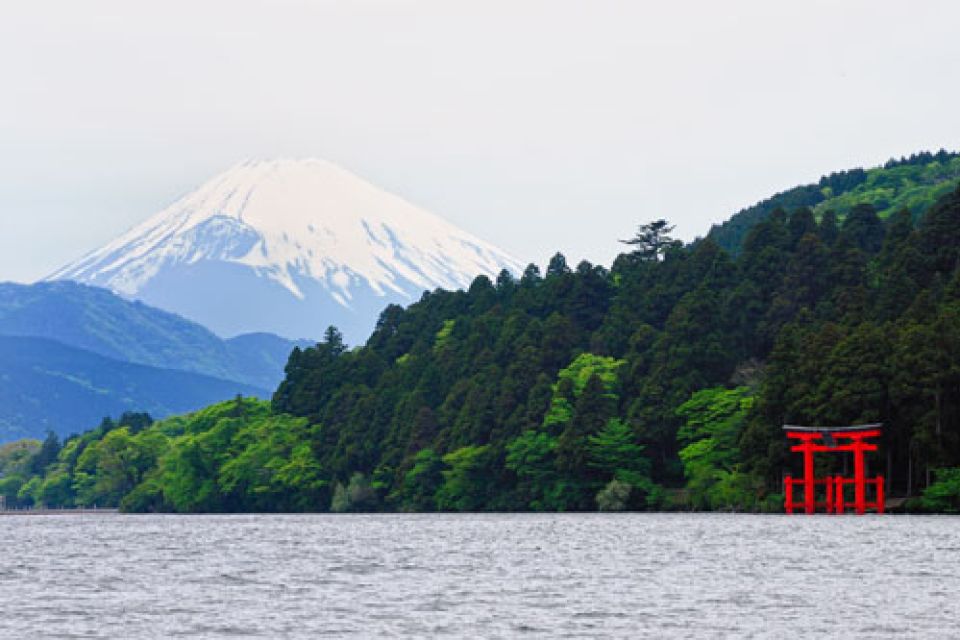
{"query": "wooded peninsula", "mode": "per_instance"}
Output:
(660, 383)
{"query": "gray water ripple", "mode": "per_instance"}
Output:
(479, 576)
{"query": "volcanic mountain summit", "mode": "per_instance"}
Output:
(289, 247)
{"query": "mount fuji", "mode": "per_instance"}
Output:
(288, 247)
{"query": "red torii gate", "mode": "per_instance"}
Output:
(824, 439)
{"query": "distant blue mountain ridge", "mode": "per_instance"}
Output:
(48, 386)
(104, 323)
(114, 355)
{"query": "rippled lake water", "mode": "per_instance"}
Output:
(479, 576)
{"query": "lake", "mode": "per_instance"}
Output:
(479, 576)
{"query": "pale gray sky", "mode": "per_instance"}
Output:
(538, 125)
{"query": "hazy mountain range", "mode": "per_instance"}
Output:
(71, 354)
(46, 385)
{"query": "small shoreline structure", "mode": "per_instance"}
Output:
(54, 512)
(834, 500)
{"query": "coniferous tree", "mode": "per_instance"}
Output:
(652, 240)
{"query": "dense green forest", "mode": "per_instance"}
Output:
(659, 383)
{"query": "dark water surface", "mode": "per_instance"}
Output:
(479, 576)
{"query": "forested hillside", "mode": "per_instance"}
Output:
(914, 183)
(661, 382)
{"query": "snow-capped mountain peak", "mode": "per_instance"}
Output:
(307, 227)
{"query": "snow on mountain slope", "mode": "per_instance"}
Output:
(288, 246)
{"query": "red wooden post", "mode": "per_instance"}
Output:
(788, 494)
(840, 506)
(881, 500)
(829, 482)
(808, 486)
(860, 495)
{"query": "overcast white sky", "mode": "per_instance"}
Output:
(536, 125)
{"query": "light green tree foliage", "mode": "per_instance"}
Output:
(587, 365)
(29, 493)
(571, 382)
(943, 496)
(238, 456)
(233, 456)
(15, 456)
(275, 467)
(111, 467)
(889, 189)
(15, 459)
(188, 473)
(466, 481)
(444, 334)
(713, 420)
(57, 488)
